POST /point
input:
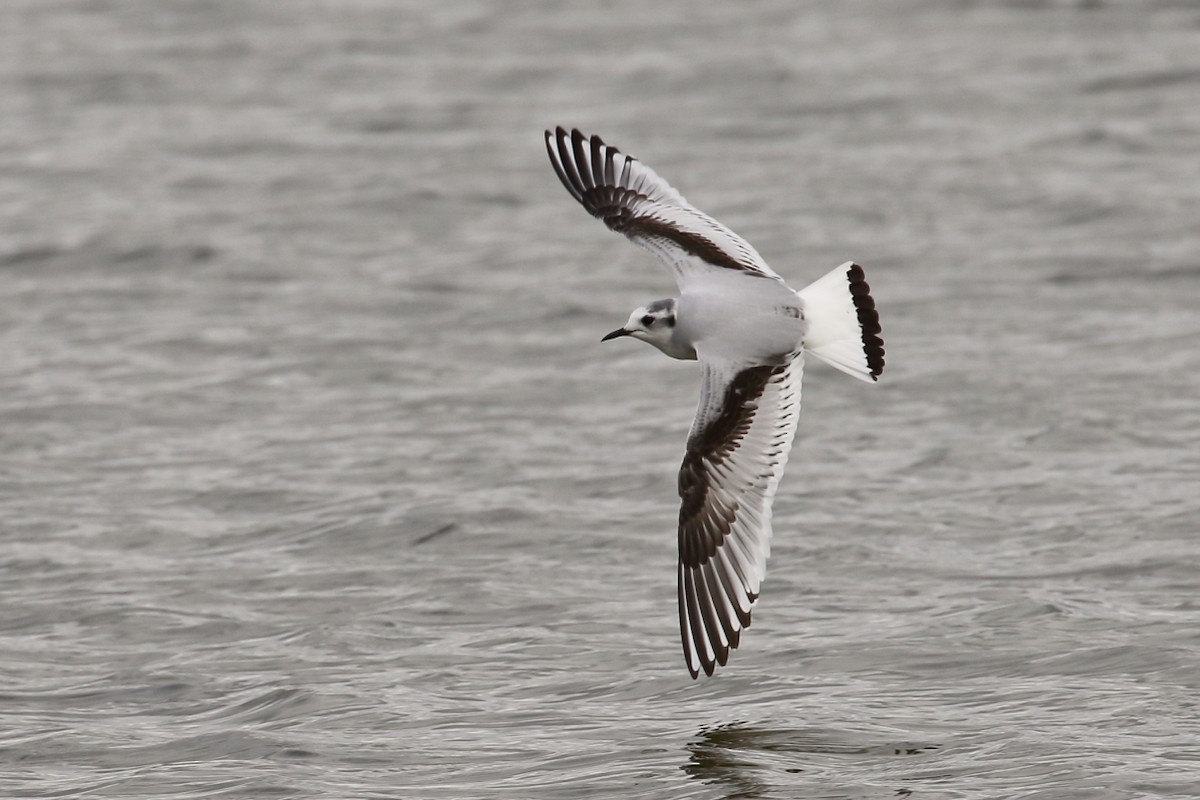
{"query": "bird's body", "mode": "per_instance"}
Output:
(752, 319)
(749, 330)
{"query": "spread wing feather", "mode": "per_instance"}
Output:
(736, 454)
(632, 199)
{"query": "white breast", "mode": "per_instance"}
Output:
(744, 319)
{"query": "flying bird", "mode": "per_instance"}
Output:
(749, 330)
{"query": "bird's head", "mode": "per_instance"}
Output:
(653, 323)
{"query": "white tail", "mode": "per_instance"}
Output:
(843, 326)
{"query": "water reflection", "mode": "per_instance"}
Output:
(747, 760)
(725, 756)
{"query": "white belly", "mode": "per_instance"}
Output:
(743, 319)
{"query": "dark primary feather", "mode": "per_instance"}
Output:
(714, 571)
(587, 168)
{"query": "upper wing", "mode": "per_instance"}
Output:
(736, 453)
(631, 199)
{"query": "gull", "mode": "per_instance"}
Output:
(750, 331)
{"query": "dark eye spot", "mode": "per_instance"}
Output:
(647, 321)
(670, 322)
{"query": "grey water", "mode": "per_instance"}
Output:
(316, 481)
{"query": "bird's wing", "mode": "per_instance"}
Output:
(736, 453)
(630, 198)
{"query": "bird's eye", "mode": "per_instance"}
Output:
(647, 321)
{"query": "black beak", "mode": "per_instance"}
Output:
(615, 334)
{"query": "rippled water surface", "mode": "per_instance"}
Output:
(317, 482)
